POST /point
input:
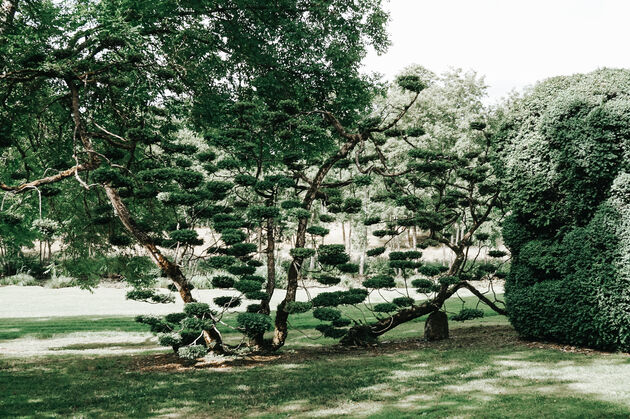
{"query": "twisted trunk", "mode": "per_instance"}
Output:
(212, 336)
(282, 316)
(257, 342)
(362, 335)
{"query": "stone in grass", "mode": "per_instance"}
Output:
(436, 326)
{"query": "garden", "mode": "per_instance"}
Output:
(210, 209)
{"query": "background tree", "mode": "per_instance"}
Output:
(446, 189)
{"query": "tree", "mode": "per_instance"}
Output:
(100, 94)
(446, 186)
(565, 163)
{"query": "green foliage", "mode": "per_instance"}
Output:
(246, 286)
(253, 324)
(467, 314)
(201, 310)
(335, 298)
(497, 253)
(263, 212)
(227, 301)
(349, 268)
(296, 307)
(376, 251)
(326, 218)
(301, 252)
(431, 270)
(380, 281)
(241, 249)
(383, 233)
(352, 205)
(169, 339)
(221, 262)
(332, 254)
(328, 279)
(385, 307)
(232, 236)
(423, 285)
(331, 331)
(192, 351)
(326, 314)
(317, 231)
(448, 280)
(241, 270)
(299, 213)
(256, 295)
(150, 296)
(189, 237)
(412, 83)
(403, 301)
(568, 233)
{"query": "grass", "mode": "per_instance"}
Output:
(483, 371)
(476, 374)
(47, 327)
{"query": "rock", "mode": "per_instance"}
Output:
(436, 326)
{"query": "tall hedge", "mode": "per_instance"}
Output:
(566, 162)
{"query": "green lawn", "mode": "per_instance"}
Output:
(484, 370)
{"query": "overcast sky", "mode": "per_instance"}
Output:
(513, 43)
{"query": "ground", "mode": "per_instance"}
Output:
(110, 366)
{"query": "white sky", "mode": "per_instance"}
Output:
(513, 43)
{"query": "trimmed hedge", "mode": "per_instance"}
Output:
(566, 163)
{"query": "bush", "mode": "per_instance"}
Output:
(60, 282)
(569, 232)
(253, 324)
(18, 279)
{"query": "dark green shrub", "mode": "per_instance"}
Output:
(380, 281)
(333, 254)
(569, 231)
(227, 301)
(328, 314)
(253, 324)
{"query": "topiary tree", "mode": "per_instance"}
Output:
(565, 161)
(112, 92)
(445, 187)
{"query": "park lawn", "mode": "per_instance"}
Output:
(47, 327)
(484, 370)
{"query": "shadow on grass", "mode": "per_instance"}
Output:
(481, 372)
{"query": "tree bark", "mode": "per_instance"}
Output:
(258, 342)
(436, 326)
(172, 270)
(282, 316)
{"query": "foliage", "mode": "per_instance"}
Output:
(569, 228)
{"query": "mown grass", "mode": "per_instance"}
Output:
(467, 377)
(483, 371)
(46, 327)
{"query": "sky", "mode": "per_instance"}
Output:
(513, 43)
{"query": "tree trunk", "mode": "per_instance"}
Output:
(282, 316)
(362, 265)
(436, 326)
(258, 341)
(362, 335)
(174, 273)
